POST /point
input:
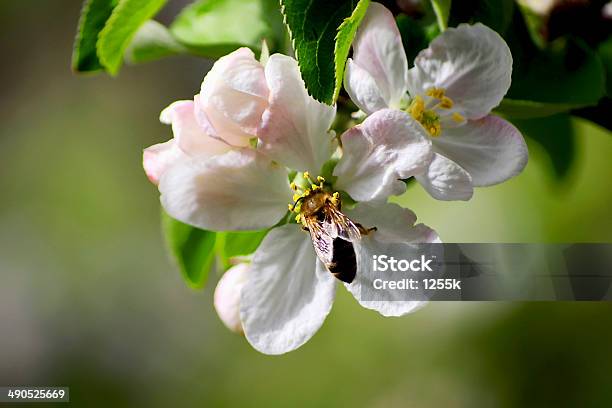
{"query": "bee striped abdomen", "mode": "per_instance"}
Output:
(344, 261)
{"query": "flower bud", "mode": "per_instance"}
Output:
(227, 296)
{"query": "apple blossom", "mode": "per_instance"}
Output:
(227, 112)
(452, 88)
(289, 291)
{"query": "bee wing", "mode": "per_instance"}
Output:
(344, 227)
(322, 241)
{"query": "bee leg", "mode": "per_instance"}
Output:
(365, 231)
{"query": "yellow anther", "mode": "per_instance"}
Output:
(435, 130)
(298, 218)
(296, 197)
(457, 117)
(446, 102)
(416, 108)
(335, 198)
(306, 193)
(307, 175)
(437, 93)
(293, 186)
(320, 179)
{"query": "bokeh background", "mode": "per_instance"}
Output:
(90, 300)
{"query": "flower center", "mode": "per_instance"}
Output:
(430, 110)
(303, 199)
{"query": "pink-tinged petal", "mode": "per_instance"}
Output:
(238, 190)
(289, 292)
(491, 149)
(157, 158)
(362, 88)
(236, 90)
(295, 128)
(395, 236)
(378, 49)
(227, 296)
(191, 137)
(387, 147)
(472, 63)
(223, 129)
(446, 180)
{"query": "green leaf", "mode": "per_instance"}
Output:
(124, 22)
(442, 10)
(192, 249)
(213, 28)
(93, 17)
(151, 42)
(344, 39)
(568, 74)
(535, 24)
(604, 50)
(496, 14)
(314, 27)
(555, 134)
(232, 244)
(521, 109)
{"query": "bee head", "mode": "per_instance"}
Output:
(310, 200)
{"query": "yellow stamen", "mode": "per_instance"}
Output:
(307, 175)
(296, 197)
(446, 102)
(437, 93)
(416, 108)
(435, 130)
(457, 117)
(298, 217)
(335, 198)
(293, 186)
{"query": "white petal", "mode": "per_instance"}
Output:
(378, 49)
(491, 149)
(471, 62)
(446, 180)
(227, 296)
(157, 158)
(235, 88)
(295, 128)
(362, 88)
(238, 190)
(395, 236)
(192, 138)
(393, 223)
(388, 146)
(289, 292)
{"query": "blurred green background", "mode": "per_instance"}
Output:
(90, 300)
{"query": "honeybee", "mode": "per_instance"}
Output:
(332, 233)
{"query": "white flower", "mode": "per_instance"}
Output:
(450, 92)
(227, 112)
(289, 292)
